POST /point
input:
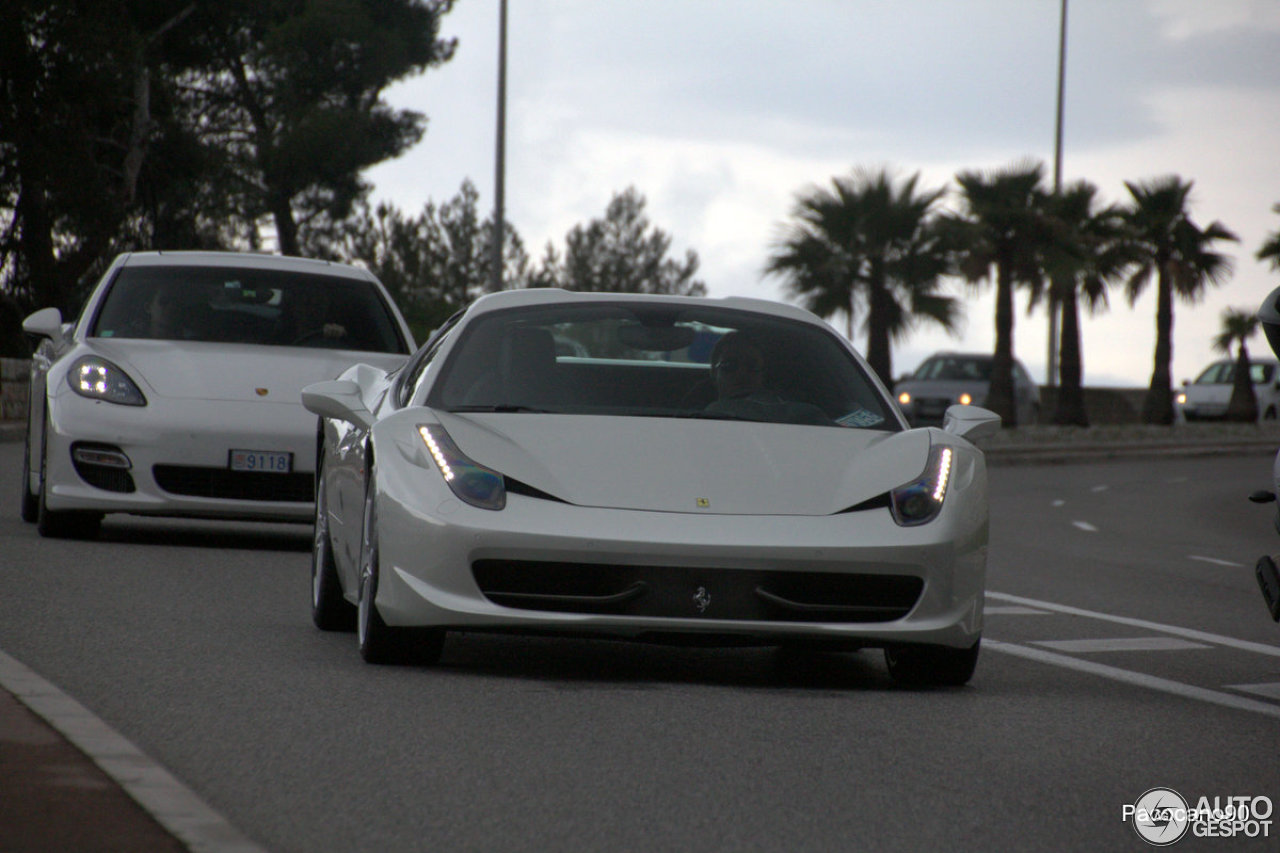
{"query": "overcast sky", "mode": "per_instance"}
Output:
(720, 111)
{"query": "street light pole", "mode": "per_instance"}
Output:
(500, 157)
(1052, 378)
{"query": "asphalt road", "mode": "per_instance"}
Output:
(1127, 648)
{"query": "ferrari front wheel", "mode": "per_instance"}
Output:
(379, 642)
(932, 666)
(329, 610)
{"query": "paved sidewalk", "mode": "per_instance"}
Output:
(55, 795)
(54, 798)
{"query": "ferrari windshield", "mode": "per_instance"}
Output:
(247, 306)
(658, 359)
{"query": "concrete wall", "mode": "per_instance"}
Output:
(1102, 405)
(14, 373)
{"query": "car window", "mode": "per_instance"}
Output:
(657, 360)
(415, 370)
(954, 369)
(1260, 373)
(248, 306)
(1218, 373)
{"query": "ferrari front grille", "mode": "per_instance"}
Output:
(201, 482)
(684, 592)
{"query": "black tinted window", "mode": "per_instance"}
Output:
(657, 360)
(247, 306)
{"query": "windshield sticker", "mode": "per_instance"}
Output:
(861, 418)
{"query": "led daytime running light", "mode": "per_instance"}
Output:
(469, 481)
(919, 501)
(98, 379)
(944, 475)
(442, 462)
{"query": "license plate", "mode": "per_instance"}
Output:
(261, 460)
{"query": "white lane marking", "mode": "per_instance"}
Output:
(173, 804)
(1059, 502)
(1188, 633)
(1085, 526)
(1271, 691)
(1121, 644)
(1138, 679)
(1097, 489)
(1013, 610)
(1216, 561)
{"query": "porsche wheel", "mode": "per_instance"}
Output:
(329, 610)
(932, 666)
(61, 524)
(30, 499)
(380, 643)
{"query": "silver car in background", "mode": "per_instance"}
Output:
(957, 378)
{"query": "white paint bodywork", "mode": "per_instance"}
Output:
(203, 400)
(707, 496)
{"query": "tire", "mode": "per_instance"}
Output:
(51, 524)
(329, 610)
(932, 666)
(30, 499)
(378, 642)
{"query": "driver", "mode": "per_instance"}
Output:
(312, 322)
(738, 369)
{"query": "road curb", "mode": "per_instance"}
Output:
(171, 803)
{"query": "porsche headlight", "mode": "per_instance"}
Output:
(471, 482)
(99, 379)
(920, 501)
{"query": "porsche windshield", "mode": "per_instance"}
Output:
(657, 360)
(247, 306)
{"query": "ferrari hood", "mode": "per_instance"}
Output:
(230, 372)
(700, 466)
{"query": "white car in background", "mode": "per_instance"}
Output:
(177, 390)
(1207, 397)
(693, 470)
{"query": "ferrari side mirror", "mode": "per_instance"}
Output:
(338, 399)
(971, 422)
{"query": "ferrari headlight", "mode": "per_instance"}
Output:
(920, 501)
(99, 379)
(471, 482)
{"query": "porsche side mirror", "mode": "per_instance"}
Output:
(45, 323)
(971, 422)
(338, 399)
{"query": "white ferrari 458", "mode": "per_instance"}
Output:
(648, 468)
(177, 391)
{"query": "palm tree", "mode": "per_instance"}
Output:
(1168, 245)
(1086, 256)
(1003, 229)
(1270, 250)
(1239, 325)
(867, 242)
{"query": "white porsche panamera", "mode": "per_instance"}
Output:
(649, 468)
(177, 390)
